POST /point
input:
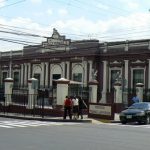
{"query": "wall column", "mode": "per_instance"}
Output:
(125, 85)
(68, 70)
(84, 78)
(139, 91)
(25, 74)
(29, 70)
(118, 103)
(103, 99)
(32, 96)
(46, 75)
(62, 91)
(118, 93)
(42, 75)
(93, 91)
(51, 78)
(63, 69)
(126, 72)
(8, 90)
(148, 73)
(90, 71)
(22, 68)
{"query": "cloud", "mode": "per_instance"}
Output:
(102, 6)
(132, 5)
(2, 3)
(49, 11)
(135, 26)
(62, 12)
(36, 1)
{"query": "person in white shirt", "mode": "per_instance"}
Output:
(75, 102)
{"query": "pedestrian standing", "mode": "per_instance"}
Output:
(67, 107)
(135, 99)
(75, 102)
(82, 105)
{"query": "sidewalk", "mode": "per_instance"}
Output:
(45, 118)
(59, 119)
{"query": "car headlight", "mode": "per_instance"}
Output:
(140, 114)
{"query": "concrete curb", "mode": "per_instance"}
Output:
(46, 119)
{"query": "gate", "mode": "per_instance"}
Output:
(2, 97)
(79, 90)
(47, 97)
(19, 95)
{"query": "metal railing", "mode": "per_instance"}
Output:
(25, 104)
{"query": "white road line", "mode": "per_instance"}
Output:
(127, 125)
(18, 123)
(4, 126)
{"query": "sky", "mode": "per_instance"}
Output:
(29, 22)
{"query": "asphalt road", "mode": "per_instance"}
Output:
(30, 135)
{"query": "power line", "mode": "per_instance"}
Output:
(17, 41)
(12, 4)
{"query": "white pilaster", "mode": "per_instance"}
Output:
(68, 69)
(25, 74)
(62, 90)
(63, 69)
(118, 93)
(29, 70)
(51, 75)
(46, 75)
(32, 96)
(139, 91)
(85, 73)
(22, 68)
(148, 73)
(90, 70)
(103, 99)
(126, 72)
(42, 74)
(8, 90)
(93, 91)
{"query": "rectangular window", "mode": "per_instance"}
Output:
(115, 75)
(37, 76)
(138, 76)
(55, 77)
(4, 77)
(16, 79)
(77, 77)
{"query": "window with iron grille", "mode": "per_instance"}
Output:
(138, 76)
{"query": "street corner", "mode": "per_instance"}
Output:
(100, 121)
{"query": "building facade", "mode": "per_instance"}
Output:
(81, 61)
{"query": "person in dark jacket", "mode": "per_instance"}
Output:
(82, 104)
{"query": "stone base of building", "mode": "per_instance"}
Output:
(118, 107)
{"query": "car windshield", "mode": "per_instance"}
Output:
(140, 106)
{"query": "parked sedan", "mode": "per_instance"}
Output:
(137, 112)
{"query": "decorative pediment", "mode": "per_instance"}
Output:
(16, 66)
(115, 62)
(56, 40)
(5, 66)
(138, 61)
